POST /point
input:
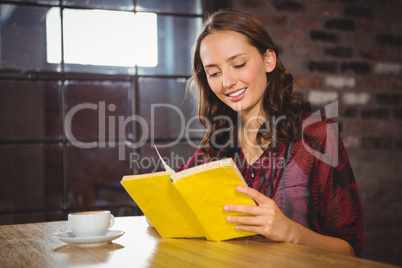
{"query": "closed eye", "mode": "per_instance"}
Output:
(240, 66)
(214, 74)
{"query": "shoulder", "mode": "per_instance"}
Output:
(321, 140)
(316, 124)
(317, 129)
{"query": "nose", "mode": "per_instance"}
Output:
(228, 79)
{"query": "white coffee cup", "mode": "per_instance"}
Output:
(90, 223)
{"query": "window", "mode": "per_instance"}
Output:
(102, 37)
(120, 56)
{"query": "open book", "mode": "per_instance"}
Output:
(190, 203)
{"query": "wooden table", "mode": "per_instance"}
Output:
(34, 245)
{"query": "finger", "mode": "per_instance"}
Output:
(249, 228)
(247, 209)
(254, 194)
(255, 221)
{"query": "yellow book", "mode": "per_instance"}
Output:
(192, 204)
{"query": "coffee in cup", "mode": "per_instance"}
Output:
(90, 223)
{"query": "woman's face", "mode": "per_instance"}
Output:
(235, 70)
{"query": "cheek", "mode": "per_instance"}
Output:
(214, 85)
(258, 80)
(255, 74)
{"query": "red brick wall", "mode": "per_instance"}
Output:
(350, 51)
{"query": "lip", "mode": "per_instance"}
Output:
(236, 98)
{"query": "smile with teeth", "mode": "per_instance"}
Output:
(237, 93)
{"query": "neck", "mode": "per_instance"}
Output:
(252, 120)
(250, 124)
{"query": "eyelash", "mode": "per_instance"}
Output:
(240, 66)
(236, 66)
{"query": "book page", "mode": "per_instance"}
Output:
(223, 163)
(165, 166)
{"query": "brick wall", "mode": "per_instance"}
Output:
(350, 51)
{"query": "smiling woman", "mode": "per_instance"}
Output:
(308, 195)
(236, 71)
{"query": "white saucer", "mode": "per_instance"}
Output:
(71, 239)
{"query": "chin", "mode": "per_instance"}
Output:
(239, 107)
(236, 108)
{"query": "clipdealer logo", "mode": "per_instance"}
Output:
(147, 129)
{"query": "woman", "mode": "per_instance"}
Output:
(294, 162)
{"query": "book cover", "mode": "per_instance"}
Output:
(192, 204)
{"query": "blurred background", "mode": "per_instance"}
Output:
(79, 81)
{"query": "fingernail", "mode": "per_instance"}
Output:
(229, 218)
(225, 208)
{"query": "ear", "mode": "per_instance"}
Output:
(270, 60)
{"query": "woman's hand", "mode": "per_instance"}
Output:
(266, 219)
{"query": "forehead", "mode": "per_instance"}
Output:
(221, 45)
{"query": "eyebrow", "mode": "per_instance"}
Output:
(227, 60)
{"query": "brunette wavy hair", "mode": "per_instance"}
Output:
(279, 98)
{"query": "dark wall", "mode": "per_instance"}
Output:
(54, 160)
